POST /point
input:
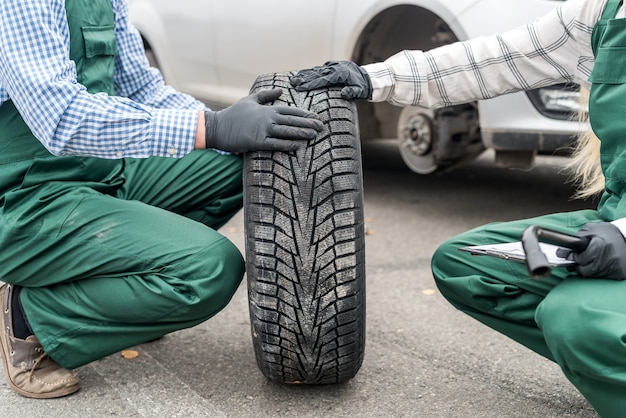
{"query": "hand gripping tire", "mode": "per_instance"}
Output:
(305, 255)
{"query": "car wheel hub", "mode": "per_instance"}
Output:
(418, 135)
(416, 139)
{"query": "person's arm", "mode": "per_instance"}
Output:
(554, 49)
(249, 124)
(200, 140)
(40, 79)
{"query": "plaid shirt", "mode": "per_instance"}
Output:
(554, 49)
(147, 118)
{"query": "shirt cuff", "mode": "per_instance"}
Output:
(382, 81)
(173, 132)
(401, 80)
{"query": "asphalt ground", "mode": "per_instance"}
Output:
(423, 358)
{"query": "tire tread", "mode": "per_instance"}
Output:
(305, 246)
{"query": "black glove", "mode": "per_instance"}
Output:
(248, 125)
(355, 81)
(604, 257)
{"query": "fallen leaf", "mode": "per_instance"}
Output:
(130, 354)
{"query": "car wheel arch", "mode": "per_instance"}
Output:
(397, 28)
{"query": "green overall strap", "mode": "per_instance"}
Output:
(607, 107)
(609, 13)
(92, 43)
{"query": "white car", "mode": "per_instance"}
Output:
(215, 49)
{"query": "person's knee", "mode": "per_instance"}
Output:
(444, 265)
(222, 269)
(575, 331)
(442, 260)
(231, 270)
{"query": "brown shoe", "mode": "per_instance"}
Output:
(29, 370)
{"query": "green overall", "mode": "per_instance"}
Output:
(578, 322)
(112, 253)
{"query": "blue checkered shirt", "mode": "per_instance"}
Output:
(146, 118)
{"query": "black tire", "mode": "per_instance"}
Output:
(305, 249)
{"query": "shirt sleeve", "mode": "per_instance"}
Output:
(554, 49)
(147, 118)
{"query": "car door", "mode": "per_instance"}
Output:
(256, 37)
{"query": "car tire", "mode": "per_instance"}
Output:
(305, 249)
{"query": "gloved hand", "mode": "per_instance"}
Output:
(355, 81)
(248, 125)
(604, 257)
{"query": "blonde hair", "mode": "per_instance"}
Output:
(585, 161)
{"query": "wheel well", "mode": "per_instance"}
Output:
(146, 44)
(391, 31)
(152, 58)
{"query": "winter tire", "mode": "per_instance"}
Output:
(305, 250)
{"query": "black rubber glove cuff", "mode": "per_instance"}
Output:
(368, 80)
(354, 81)
(210, 126)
